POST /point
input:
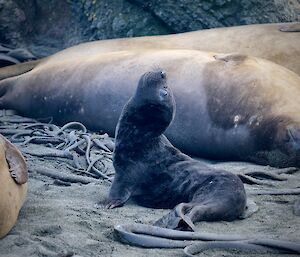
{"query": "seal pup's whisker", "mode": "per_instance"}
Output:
(156, 68)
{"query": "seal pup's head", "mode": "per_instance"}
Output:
(151, 109)
(153, 89)
(155, 99)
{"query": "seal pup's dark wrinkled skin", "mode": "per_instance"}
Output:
(151, 171)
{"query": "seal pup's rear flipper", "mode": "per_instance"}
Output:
(177, 218)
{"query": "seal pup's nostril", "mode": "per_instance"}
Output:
(163, 74)
(163, 93)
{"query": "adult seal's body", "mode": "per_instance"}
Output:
(13, 184)
(228, 106)
(255, 40)
(156, 174)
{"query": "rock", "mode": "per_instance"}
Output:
(47, 26)
(115, 18)
(12, 19)
(220, 13)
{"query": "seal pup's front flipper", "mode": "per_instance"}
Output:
(119, 193)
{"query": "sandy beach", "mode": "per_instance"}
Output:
(62, 218)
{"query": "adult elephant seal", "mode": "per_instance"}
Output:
(150, 170)
(279, 43)
(13, 184)
(228, 106)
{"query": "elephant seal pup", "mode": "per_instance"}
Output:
(13, 184)
(150, 170)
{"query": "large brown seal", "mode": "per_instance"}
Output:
(13, 184)
(229, 106)
(279, 43)
(150, 170)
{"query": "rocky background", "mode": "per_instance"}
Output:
(46, 26)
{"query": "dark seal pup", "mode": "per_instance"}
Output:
(151, 171)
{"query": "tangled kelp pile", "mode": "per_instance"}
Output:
(87, 155)
(10, 56)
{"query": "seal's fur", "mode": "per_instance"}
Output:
(154, 173)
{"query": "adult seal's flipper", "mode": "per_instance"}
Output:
(231, 57)
(17, 165)
(293, 27)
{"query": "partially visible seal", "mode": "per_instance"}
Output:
(290, 27)
(150, 170)
(13, 184)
